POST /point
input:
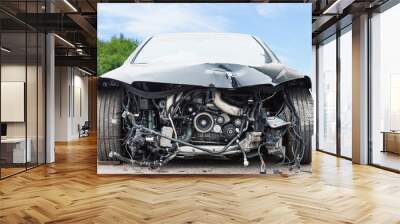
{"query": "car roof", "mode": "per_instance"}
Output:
(211, 34)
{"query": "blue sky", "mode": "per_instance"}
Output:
(286, 28)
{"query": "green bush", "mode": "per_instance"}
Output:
(112, 54)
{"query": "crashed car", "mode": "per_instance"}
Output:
(204, 95)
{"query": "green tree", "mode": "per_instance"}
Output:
(111, 54)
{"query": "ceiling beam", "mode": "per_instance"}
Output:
(86, 26)
(320, 22)
(78, 61)
(337, 7)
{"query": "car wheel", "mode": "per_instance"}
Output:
(109, 123)
(302, 102)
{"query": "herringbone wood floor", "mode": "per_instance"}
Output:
(70, 191)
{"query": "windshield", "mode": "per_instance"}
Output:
(203, 48)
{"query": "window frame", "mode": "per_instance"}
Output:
(333, 37)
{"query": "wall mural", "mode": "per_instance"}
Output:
(204, 88)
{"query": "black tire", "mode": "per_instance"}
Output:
(303, 105)
(109, 123)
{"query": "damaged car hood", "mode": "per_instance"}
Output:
(219, 75)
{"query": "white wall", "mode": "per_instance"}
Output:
(34, 124)
(71, 102)
(11, 73)
(80, 110)
(62, 81)
(17, 73)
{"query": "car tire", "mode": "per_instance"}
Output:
(109, 123)
(303, 105)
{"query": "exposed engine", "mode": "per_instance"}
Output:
(187, 122)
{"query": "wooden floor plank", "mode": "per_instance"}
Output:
(70, 191)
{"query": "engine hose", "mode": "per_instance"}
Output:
(294, 160)
(190, 93)
(173, 128)
(134, 162)
(186, 143)
(169, 158)
(245, 161)
(130, 116)
(226, 107)
(263, 166)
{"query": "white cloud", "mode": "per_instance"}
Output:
(144, 20)
(269, 9)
